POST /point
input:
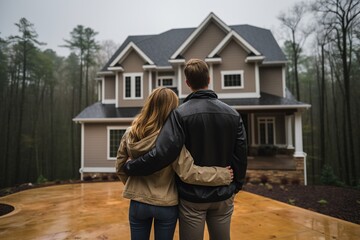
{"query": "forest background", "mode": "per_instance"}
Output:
(41, 92)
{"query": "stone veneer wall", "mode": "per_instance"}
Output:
(275, 176)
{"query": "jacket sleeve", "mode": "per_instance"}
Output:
(121, 158)
(193, 174)
(167, 148)
(239, 163)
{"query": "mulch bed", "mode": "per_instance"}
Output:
(338, 202)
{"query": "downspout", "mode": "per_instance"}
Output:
(305, 172)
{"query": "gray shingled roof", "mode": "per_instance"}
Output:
(262, 40)
(159, 48)
(99, 110)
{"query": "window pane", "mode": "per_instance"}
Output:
(127, 87)
(232, 80)
(137, 86)
(270, 128)
(167, 82)
(115, 137)
(262, 133)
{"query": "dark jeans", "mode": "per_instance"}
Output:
(141, 216)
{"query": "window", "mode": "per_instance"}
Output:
(232, 79)
(114, 136)
(133, 87)
(266, 130)
(165, 82)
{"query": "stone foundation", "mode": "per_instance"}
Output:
(295, 176)
(99, 176)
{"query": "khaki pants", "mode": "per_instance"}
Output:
(192, 217)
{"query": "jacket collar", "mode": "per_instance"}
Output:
(201, 94)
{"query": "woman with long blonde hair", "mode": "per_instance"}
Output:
(155, 197)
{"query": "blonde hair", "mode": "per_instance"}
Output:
(154, 113)
(197, 73)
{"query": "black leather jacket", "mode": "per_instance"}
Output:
(214, 134)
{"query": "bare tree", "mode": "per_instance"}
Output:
(341, 17)
(292, 20)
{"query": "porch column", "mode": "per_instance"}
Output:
(298, 136)
(179, 80)
(288, 129)
(211, 73)
(150, 82)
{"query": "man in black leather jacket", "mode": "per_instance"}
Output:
(214, 134)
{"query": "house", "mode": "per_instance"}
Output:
(247, 71)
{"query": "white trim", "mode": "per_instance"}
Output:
(97, 170)
(234, 72)
(260, 107)
(270, 120)
(109, 128)
(254, 59)
(127, 50)
(101, 73)
(299, 152)
(82, 148)
(117, 90)
(164, 68)
(109, 101)
(211, 75)
(238, 95)
(213, 60)
(283, 75)
(150, 82)
(102, 120)
(177, 61)
(198, 30)
(99, 87)
(257, 79)
(149, 67)
(289, 132)
(179, 81)
(239, 39)
(275, 62)
(116, 69)
(133, 84)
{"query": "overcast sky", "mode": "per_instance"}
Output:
(116, 19)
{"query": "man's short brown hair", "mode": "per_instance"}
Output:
(197, 74)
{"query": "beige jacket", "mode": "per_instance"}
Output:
(160, 188)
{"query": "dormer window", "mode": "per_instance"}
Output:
(232, 79)
(133, 86)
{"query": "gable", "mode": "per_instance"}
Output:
(133, 62)
(203, 44)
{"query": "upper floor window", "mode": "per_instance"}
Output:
(165, 81)
(232, 79)
(114, 136)
(133, 86)
(266, 130)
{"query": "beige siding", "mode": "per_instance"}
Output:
(95, 145)
(205, 42)
(211, 36)
(109, 89)
(271, 80)
(233, 59)
(133, 63)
